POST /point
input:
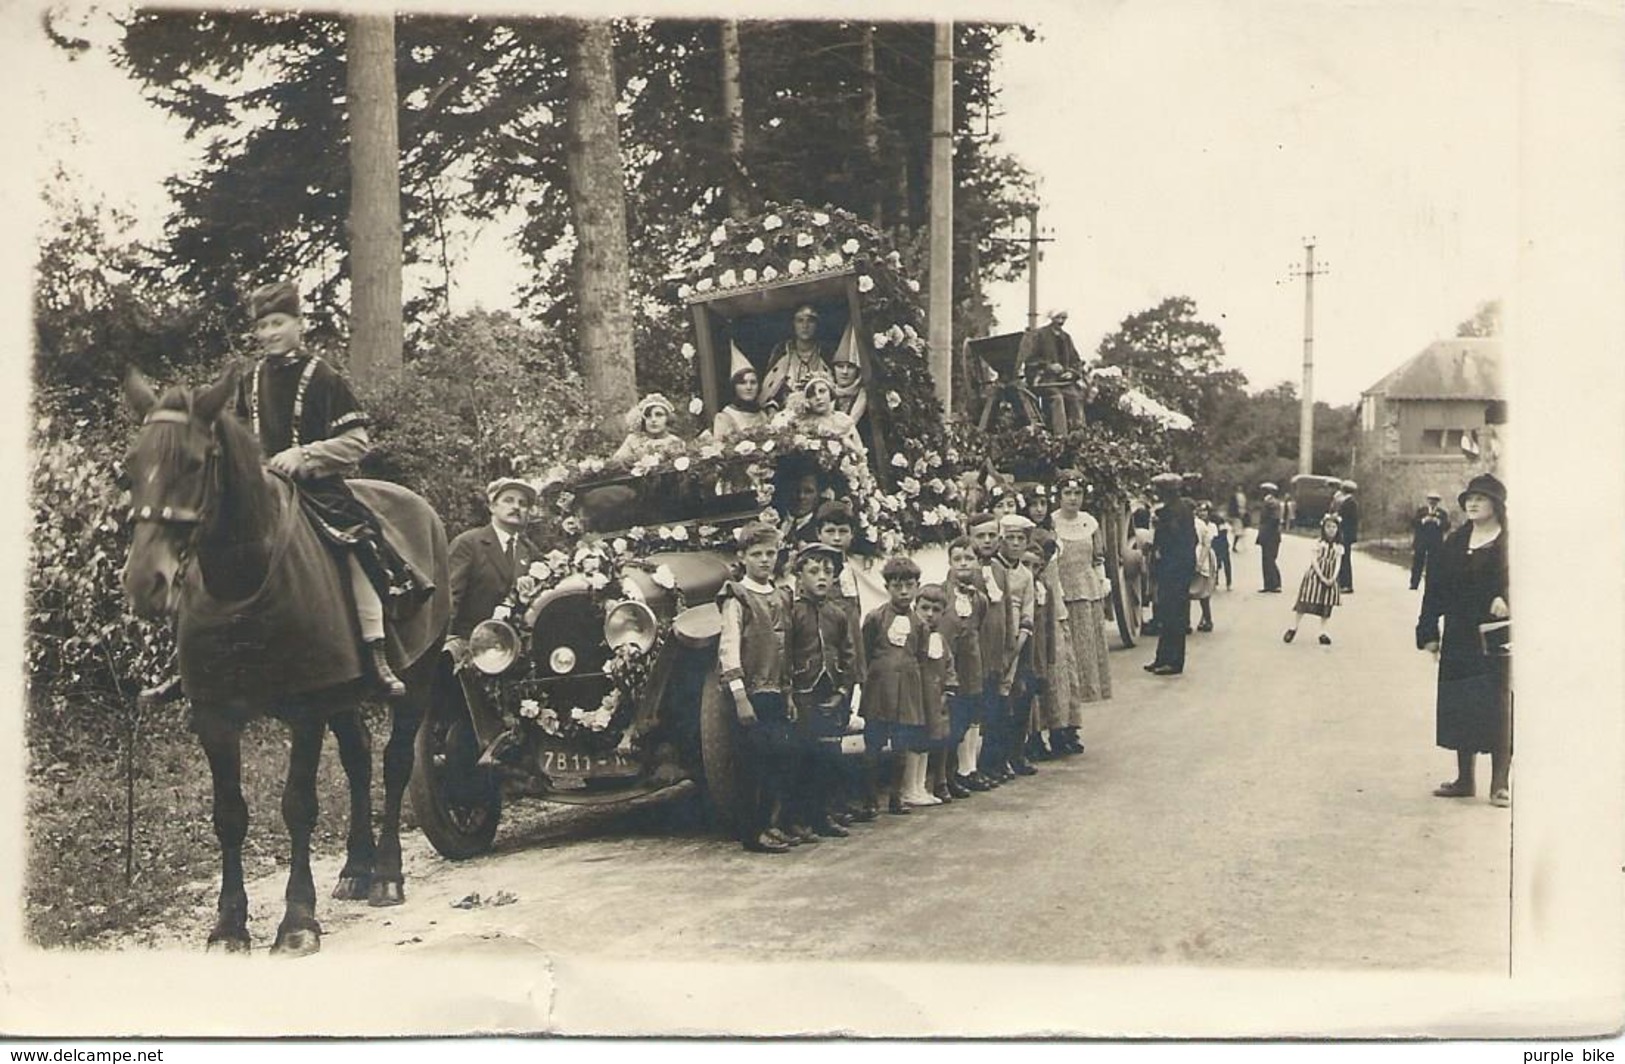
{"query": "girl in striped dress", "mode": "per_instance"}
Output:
(1317, 594)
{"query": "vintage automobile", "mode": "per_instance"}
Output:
(1310, 495)
(612, 668)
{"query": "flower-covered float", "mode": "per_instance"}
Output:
(603, 657)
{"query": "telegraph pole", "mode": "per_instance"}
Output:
(940, 314)
(1032, 268)
(1306, 409)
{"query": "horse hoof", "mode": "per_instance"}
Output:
(385, 893)
(352, 888)
(299, 943)
(227, 944)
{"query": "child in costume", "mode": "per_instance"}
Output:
(649, 431)
(893, 643)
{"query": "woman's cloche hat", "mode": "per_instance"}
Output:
(1484, 484)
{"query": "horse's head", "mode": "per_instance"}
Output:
(173, 469)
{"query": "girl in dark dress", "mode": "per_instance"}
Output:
(1466, 587)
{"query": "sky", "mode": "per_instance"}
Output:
(1180, 149)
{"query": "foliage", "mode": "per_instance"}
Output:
(483, 105)
(86, 654)
(484, 396)
(1486, 320)
(96, 310)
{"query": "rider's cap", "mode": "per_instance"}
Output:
(279, 297)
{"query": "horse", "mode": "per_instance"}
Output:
(265, 627)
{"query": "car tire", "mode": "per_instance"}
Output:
(456, 803)
(718, 744)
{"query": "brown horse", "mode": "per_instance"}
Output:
(265, 628)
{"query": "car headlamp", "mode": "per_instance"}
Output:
(629, 623)
(493, 646)
(562, 660)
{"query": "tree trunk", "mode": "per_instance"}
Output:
(871, 125)
(376, 329)
(733, 114)
(598, 210)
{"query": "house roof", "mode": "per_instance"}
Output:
(1459, 368)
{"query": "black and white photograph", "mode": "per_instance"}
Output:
(868, 521)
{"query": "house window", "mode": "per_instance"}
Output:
(1440, 441)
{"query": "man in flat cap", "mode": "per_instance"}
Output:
(1174, 545)
(486, 562)
(311, 430)
(1427, 536)
(1269, 538)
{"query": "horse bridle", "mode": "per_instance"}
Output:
(202, 508)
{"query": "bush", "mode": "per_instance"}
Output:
(485, 396)
(86, 653)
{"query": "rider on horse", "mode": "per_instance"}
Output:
(311, 429)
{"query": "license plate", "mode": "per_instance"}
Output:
(573, 765)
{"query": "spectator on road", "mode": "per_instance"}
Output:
(1269, 537)
(1427, 536)
(1467, 589)
(1221, 551)
(1207, 565)
(1318, 593)
(1174, 544)
(1348, 513)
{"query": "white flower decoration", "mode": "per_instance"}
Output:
(745, 447)
(772, 222)
(768, 273)
(719, 235)
(680, 533)
(899, 461)
(695, 405)
(893, 400)
(529, 708)
(728, 279)
(598, 581)
(620, 545)
(768, 516)
(913, 285)
(768, 446)
(704, 284)
(820, 218)
(755, 247)
(804, 240)
(688, 352)
(866, 283)
(797, 267)
(930, 517)
(557, 558)
(665, 577)
(894, 260)
(879, 340)
(705, 262)
(851, 246)
(749, 275)
(681, 463)
(539, 571)
(908, 331)
(684, 291)
(502, 612)
(896, 334)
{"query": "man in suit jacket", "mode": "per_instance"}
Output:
(485, 564)
(1174, 543)
(1269, 537)
(1427, 536)
(1349, 531)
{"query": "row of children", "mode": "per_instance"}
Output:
(942, 680)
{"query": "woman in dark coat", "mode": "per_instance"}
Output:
(1466, 588)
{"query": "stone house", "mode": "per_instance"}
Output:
(1433, 423)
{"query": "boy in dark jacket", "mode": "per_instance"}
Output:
(821, 642)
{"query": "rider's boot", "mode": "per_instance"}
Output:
(387, 680)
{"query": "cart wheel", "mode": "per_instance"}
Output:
(717, 747)
(1123, 566)
(456, 802)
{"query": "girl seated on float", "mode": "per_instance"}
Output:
(649, 431)
(812, 411)
(744, 411)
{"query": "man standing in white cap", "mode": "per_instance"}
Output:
(486, 562)
(1427, 536)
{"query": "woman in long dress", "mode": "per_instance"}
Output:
(1467, 587)
(1081, 564)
